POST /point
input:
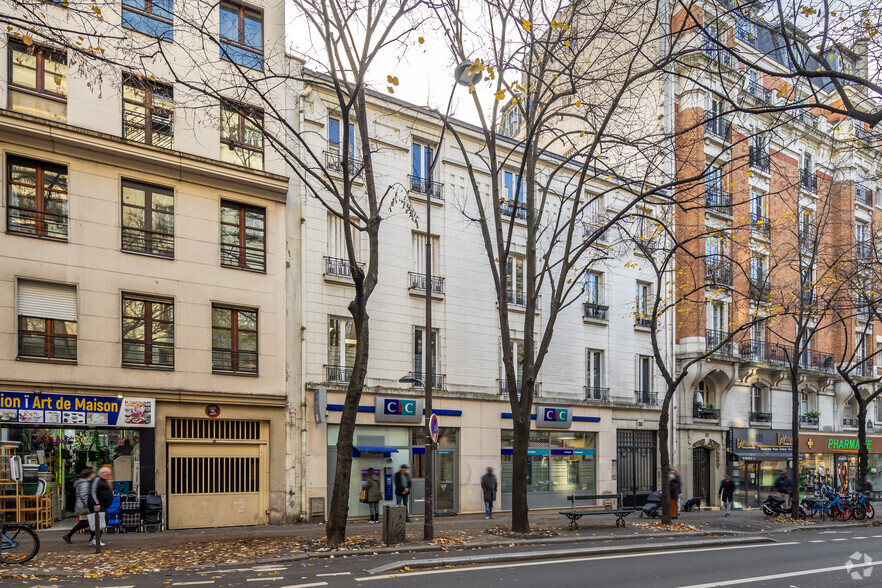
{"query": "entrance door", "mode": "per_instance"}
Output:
(752, 483)
(701, 474)
(445, 481)
(636, 465)
(217, 473)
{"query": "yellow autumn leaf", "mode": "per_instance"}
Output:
(500, 95)
(567, 43)
(421, 40)
(391, 90)
(27, 40)
(526, 24)
(96, 10)
(57, 80)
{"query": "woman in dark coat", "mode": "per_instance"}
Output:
(374, 495)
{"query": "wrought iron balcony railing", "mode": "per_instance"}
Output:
(805, 419)
(595, 312)
(712, 339)
(513, 208)
(338, 373)
(334, 163)
(642, 320)
(818, 361)
(426, 187)
(760, 417)
(863, 251)
(334, 266)
(760, 351)
(863, 195)
(647, 398)
(759, 159)
(808, 180)
(757, 90)
(806, 117)
(849, 422)
(418, 282)
(760, 289)
(503, 387)
(517, 297)
(717, 273)
(702, 412)
(718, 200)
(760, 225)
(717, 126)
(595, 393)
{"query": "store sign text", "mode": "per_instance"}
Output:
(72, 410)
(398, 410)
(834, 444)
(552, 417)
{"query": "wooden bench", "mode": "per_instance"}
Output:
(574, 515)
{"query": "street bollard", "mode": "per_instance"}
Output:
(394, 529)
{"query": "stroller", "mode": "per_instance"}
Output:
(130, 513)
(113, 516)
(652, 508)
(152, 521)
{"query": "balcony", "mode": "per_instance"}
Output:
(806, 117)
(722, 57)
(643, 321)
(595, 312)
(334, 163)
(863, 195)
(439, 381)
(863, 251)
(718, 200)
(418, 282)
(808, 181)
(757, 90)
(863, 312)
(760, 289)
(760, 225)
(503, 388)
(713, 339)
(810, 420)
(516, 298)
(338, 373)
(759, 159)
(513, 208)
(850, 422)
(717, 273)
(762, 352)
(426, 187)
(703, 412)
(807, 238)
(594, 393)
(717, 127)
(339, 268)
(817, 361)
(760, 417)
(860, 133)
(864, 368)
(646, 398)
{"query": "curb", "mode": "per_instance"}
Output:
(557, 554)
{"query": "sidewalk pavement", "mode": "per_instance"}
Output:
(175, 550)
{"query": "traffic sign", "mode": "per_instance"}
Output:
(433, 427)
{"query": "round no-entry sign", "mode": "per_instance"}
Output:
(433, 427)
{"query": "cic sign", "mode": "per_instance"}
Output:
(398, 410)
(552, 417)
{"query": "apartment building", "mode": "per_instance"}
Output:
(143, 266)
(599, 368)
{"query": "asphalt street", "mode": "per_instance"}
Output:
(804, 559)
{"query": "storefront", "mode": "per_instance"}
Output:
(756, 457)
(831, 460)
(56, 436)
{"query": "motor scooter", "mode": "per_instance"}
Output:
(774, 506)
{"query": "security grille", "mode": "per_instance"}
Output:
(214, 429)
(214, 475)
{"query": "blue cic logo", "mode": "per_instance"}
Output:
(556, 415)
(400, 407)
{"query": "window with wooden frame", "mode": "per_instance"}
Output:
(241, 35)
(243, 236)
(37, 81)
(148, 332)
(148, 219)
(36, 202)
(148, 112)
(241, 135)
(150, 17)
(47, 321)
(233, 340)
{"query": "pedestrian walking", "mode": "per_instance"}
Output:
(374, 494)
(488, 488)
(727, 489)
(674, 485)
(784, 485)
(81, 504)
(402, 489)
(100, 498)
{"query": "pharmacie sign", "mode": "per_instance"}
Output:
(837, 444)
(30, 408)
(553, 417)
(398, 410)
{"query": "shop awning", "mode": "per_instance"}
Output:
(763, 455)
(357, 450)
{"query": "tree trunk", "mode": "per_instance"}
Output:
(863, 451)
(665, 455)
(335, 528)
(520, 518)
(794, 432)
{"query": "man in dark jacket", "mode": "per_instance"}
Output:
(727, 490)
(402, 489)
(100, 496)
(488, 487)
(784, 485)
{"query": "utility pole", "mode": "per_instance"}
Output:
(429, 522)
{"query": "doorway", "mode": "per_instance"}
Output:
(701, 474)
(636, 465)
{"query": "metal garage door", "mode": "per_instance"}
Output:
(217, 473)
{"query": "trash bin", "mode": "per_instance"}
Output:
(394, 529)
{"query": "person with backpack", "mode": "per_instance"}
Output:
(81, 505)
(727, 490)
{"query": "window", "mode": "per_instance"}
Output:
(341, 349)
(148, 332)
(241, 35)
(644, 379)
(513, 187)
(594, 368)
(37, 202)
(148, 112)
(421, 156)
(150, 17)
(716, 318)
(242, 135)
(703, 395)
(336, 140)
(419, 368)
(757, 403)
(233, 340)
(642, 311)
(148, 219)
(38, 81)
(594, 288)
(516, 281)
(243, 236)
(47, 321)
(419, 253)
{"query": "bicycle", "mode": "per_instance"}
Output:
(831, 507)
(19, 543)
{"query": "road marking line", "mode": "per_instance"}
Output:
(783, 575)
(334, 574)
(263, 579)
(192, 583)
(227, 571)
(818, 541)
(467, 568)
(860, 538)
(843, 539)
(269, 568)
(306, 585)
(877, 536)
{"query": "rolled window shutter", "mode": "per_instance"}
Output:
(49, 301)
